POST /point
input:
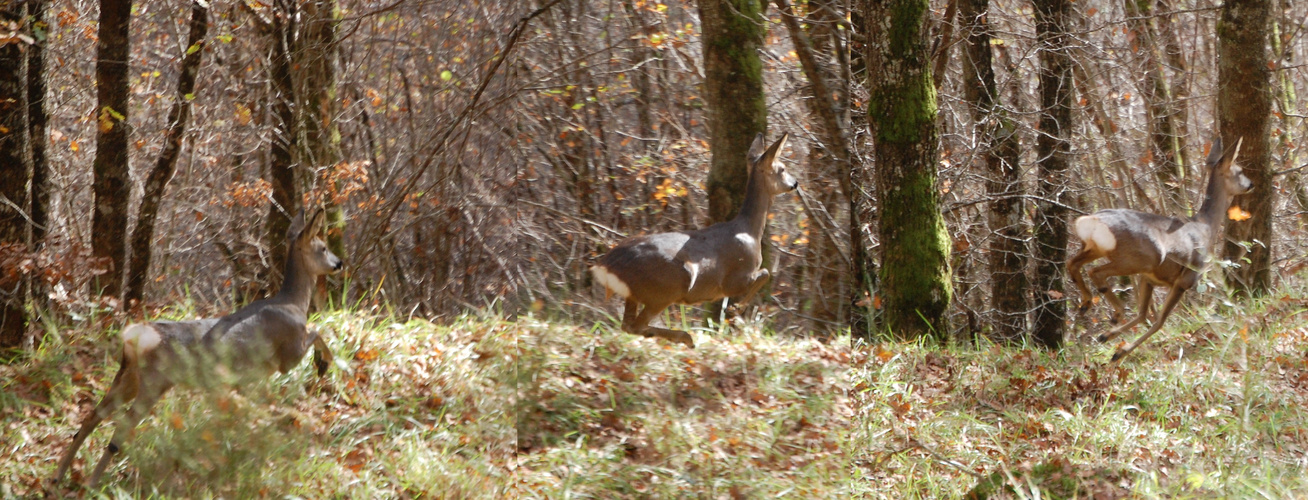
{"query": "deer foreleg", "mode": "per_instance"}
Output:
(756, 281)
(1145, 292)
(640, 324)
(1173, 297)
(322, 355)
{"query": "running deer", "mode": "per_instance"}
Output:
(1164, 251)
(688, 267)
(263, 337)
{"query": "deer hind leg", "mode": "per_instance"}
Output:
(121, 391)
(1173, 297)
(639, 325)
(1074, 265)
(1099, 276)
(149, 395)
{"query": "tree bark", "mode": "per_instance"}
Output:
(321, 146)
(733, 89)
(281, 169)
(157, 181)
(14, 175)
(1001, 152)
(37, 119)
(112, 174)
(1244, 106)
(1052, 147)
(831, 159)
(915, 275)
(1160, 109)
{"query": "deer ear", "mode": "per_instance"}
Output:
(771, 154)
(1214, 153)
(755, 150)
(314, 227)
(1229, 160)
(297, 225)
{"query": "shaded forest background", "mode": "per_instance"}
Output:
(466, 179)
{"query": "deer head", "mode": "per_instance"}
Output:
(308, 247)
(766, 165)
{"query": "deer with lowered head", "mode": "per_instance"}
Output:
(1163, 251)
(263, 337)
(654, 271)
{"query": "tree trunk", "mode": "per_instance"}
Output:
(1001, 151)
(830, 159)
(281, 170)
(112, 175)
(322, 151)
(915, 274)
(14, 174)
(733, 89)
(37, 118)
(1052, 146)
(157, 182)
(1160, 109)
(1244, 108)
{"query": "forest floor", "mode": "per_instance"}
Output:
(1214, 405)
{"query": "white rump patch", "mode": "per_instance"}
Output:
(1094, 232)
(745, 238)
(693, 269)
(610, 281)
(139, 339)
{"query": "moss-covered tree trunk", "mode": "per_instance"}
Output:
(733, 88)
(157, 182)
(14, 174)
(1244, 108)
(111, 183)
(998, 135)
(915, 274)
(1052, 19)
(321, 137)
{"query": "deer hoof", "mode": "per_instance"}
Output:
(1085, 307)
(1117, 356)
(1102, 338)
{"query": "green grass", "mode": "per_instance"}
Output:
(1212, 406)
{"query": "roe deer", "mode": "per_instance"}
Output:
(263, 337)
(722, 260)
(1163, 251)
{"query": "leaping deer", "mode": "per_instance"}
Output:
(688, 267)
(1163, 251)
(263, 337)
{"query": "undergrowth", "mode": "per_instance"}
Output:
(483, 407)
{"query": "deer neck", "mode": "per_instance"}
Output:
(297, 284)
(754, 209)
(1213, 211)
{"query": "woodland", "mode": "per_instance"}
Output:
(441, 204)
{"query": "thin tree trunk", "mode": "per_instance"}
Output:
(112, 185)
(1244, 108)
(1001, 151)
(37, 118)
(832, 160)
(14, 174)
(1165, 142)
(733, 89)
(157, 182)
(915, 279)
(281, 170)
(1052, 147)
